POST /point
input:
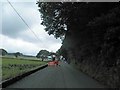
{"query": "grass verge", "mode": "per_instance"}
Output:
(12, 67)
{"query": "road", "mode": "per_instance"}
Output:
(63, 76)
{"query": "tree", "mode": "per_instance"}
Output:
(106, 30)
(89, 30)
(70, 20)
(42, 54)
(17, 54)
(51, 14)
(3, 52)
(59, 17)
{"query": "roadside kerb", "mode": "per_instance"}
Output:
(10, 81)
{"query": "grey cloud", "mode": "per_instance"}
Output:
(12, 24)
(44, 39)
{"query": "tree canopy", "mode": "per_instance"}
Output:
(52, 18)
(58, 17)
(43, 54)
(17, 54)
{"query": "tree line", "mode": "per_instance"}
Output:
(42, 54)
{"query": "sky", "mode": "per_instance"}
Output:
(17, 37)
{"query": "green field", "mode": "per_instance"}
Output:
(12, 67)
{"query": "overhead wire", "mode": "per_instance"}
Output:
(23, 19)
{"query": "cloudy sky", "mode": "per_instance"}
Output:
(16, 36)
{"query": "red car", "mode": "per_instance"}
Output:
(53, 63)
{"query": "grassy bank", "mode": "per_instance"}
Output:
(12, 67)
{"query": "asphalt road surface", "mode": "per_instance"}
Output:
(63, 76)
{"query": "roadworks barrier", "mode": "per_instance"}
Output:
(10, 81)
